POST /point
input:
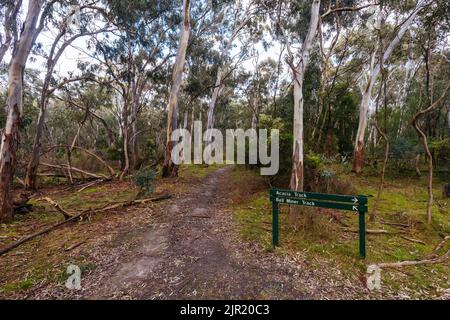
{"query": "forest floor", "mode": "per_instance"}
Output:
(212, 241)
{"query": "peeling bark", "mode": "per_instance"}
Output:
(10, 138)
(374, 71)
(169, 168)
(297, 174)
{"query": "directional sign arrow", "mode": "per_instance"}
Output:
(356, 200)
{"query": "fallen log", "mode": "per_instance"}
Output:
(66, 167)
(38, 233)
(395, 224)
(441, 259)
(413, 240)
(90, 184)
(76, 245)
(80, 215)
(66, 214)
(370, 231)
(438, 247)
(93, 154)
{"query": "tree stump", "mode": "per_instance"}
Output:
(446, 190)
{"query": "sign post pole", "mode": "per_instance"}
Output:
(275, 224)
(362, 234)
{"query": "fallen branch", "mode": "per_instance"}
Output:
(66, 167)
(55, 175)
(76, 245)
(394, 224)
(96, 156)
(441, 259)
(39, 233)
(369, 231)
(66, 214)
(80, 215)
(439, 246)
(90, 184)
(413, 240)
(20, 181)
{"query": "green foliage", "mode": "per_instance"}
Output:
(144, 180)
(113, 153)
(441, 151)
(402, 153)
(313, 161)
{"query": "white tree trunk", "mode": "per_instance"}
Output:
(212, 104)
(170, 169)
(10, 137)
(297, 175)
(9, 23)
(358, 155)
(221, 71)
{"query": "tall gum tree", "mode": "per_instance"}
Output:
(60, 44)
(170, 169)
(298, 74)
(14, 107)
(367, 88)
(241, 19)
(9, 23)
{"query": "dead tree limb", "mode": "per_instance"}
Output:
(438, 247)
(80, 215)
(65, 213)
(90, 184)
(395, 224)
(93, 154)
(65, 167)
(440, 259)
(369, 231)
(76, 245)
(413, 240)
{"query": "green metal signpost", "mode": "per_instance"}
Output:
(320, 200)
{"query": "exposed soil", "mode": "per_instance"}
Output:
(190, 253)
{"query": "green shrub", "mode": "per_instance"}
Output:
(313, 161)
(144, 180)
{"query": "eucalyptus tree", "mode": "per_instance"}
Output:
(260, 88)
(299, 33)
(85, 12)
(131, 60)
(170, 168)
(9, 10)
(374, 67)
(290, 28)
(33, 24)
(233, 19)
